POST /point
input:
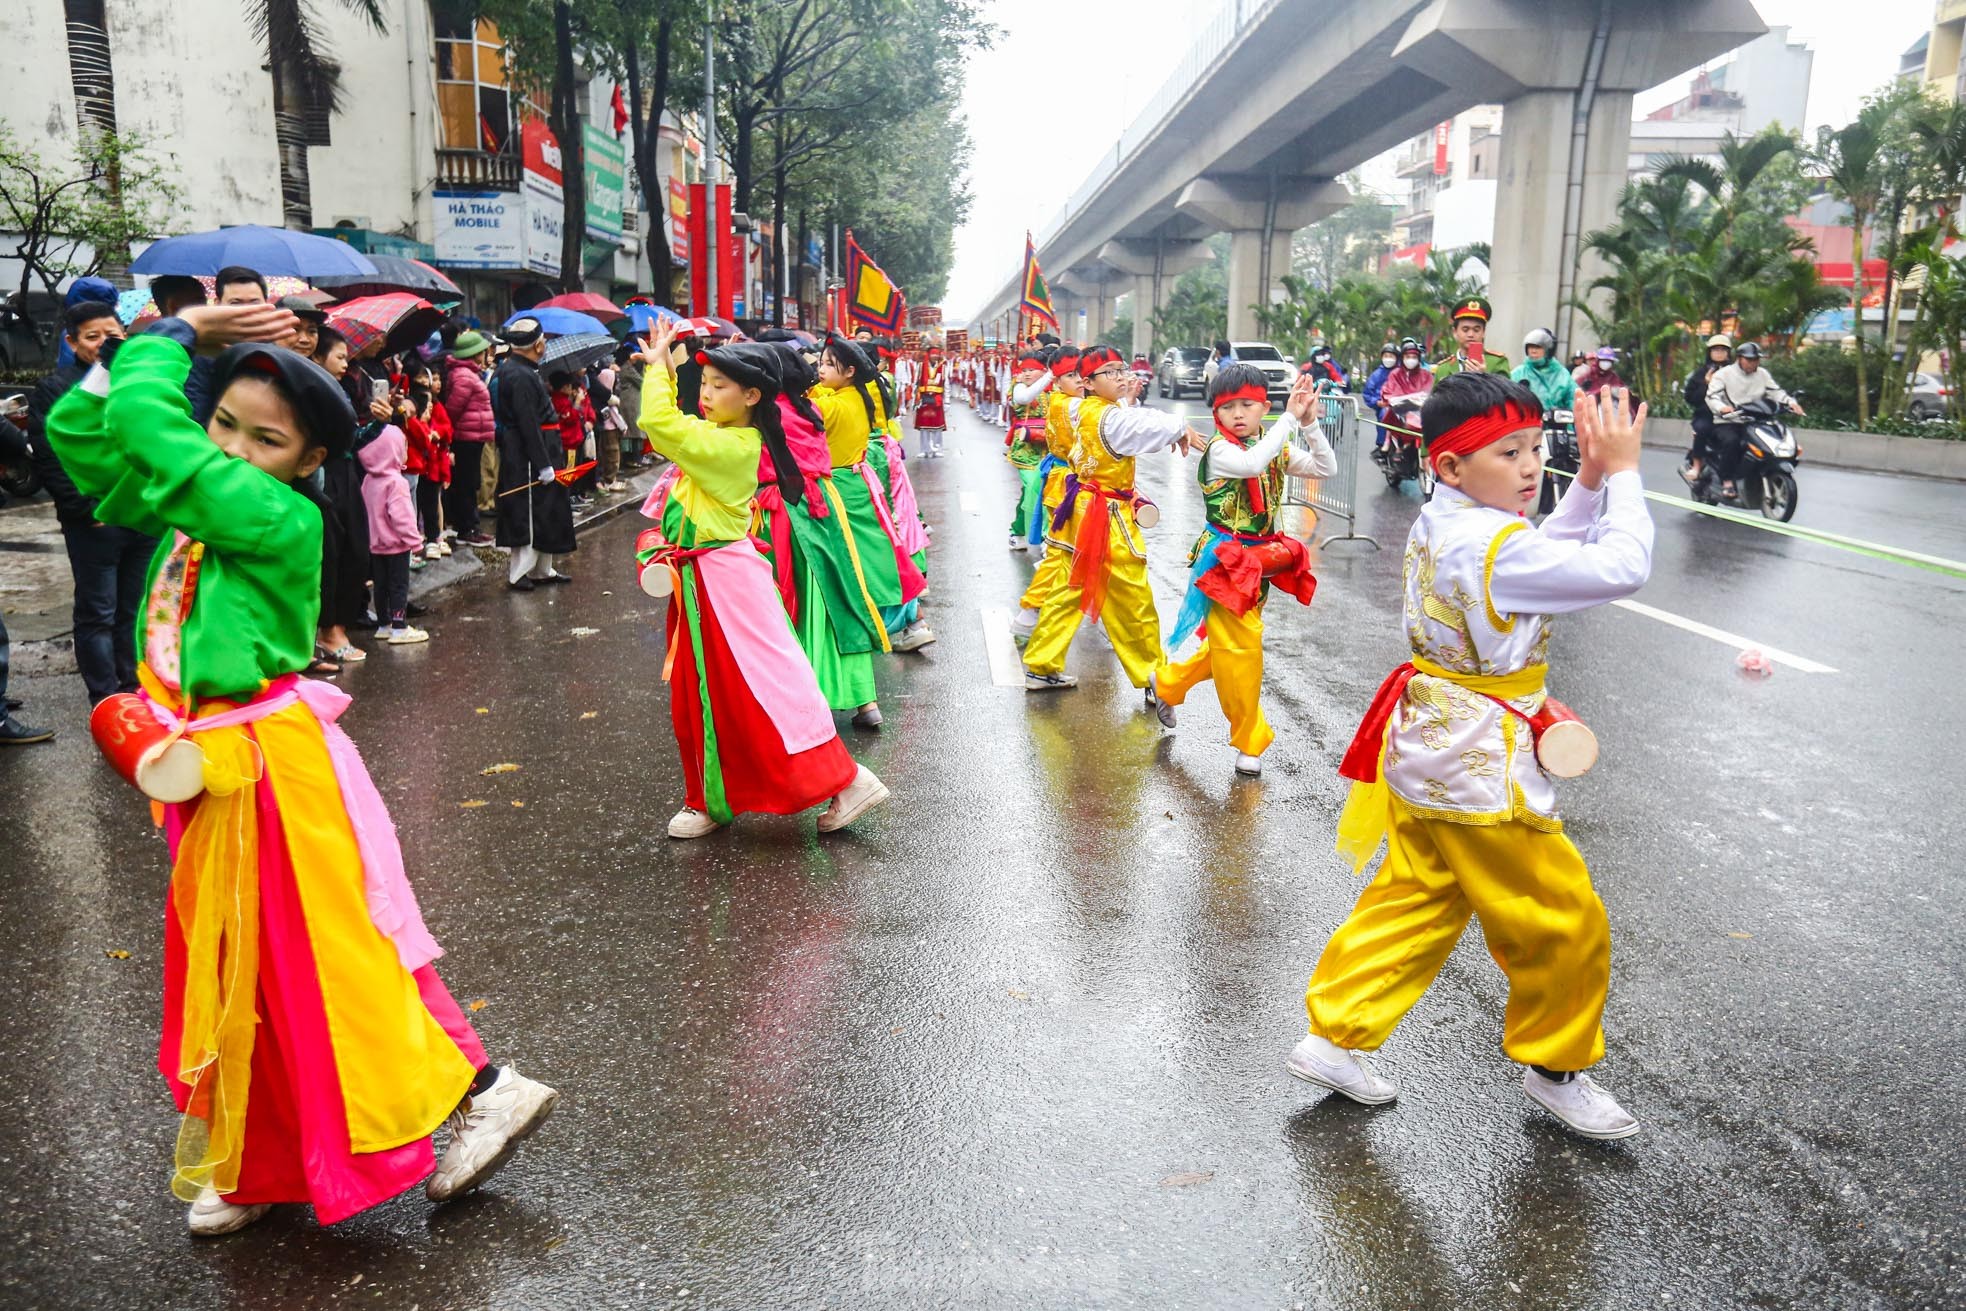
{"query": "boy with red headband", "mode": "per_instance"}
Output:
(1240, 555)
(1445, 769)
(1107, 581)
(1060, 417)
(1026, 452)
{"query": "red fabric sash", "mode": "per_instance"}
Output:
(1092, 548)
(1242, 564)
(1363, 756)
(778, 549)
(1258, 503)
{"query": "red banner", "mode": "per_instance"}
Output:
(729, 253)
(1440, 148)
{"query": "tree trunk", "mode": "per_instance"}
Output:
(573, 168)
(647, 141)
(779, 267)
(746, 117)
(1857, 217)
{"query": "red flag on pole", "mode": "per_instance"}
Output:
(620, 110)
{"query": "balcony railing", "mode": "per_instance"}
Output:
(476, 170)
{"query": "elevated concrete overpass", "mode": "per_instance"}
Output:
(1278, 98)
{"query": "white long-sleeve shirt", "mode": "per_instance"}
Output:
(1023, 393)
(1136, 429)
(1314, 458)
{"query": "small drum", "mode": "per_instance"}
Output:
(1146, 513)
(654, 576)
(157, 762)
(1565, 745)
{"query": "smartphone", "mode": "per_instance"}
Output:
(379, 390)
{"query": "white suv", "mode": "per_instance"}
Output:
(1281, 373)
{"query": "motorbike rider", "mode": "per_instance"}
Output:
(1741, 383)
(1388, 361)
(1328, 376)
(1471, 353)
(1720, 352)
(1411, 378)
(1603, 373)
(1544, 373)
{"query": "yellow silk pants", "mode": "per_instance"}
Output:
(1232, 654)
(1543, 921)
(1132, 624)
(1053, 570)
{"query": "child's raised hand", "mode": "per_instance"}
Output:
(219, 326)
(1609, 435)
(655, 348)
(1303, 399)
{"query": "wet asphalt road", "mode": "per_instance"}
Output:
(1016, 1040)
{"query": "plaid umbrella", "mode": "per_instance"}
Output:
(395, 273)
(399, 320)
(576, 351)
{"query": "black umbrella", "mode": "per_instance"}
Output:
(577, 351)
(394, 273)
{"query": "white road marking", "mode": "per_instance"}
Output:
(1725, 638)
(969, 503)
(1006, 666)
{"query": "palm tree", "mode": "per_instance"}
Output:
(307, 88)
(1850, 159)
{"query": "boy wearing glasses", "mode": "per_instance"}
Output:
(1099, 511)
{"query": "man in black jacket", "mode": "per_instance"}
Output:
(110, 564)
(535, 512)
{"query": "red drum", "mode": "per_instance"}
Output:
(1145, 512)
(1565, 745)
(1273, 558)
(157, 762)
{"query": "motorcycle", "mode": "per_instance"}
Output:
(1559, 452)
(18, 481)
(1399, 456)
(1769, 454)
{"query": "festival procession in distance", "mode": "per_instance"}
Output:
(901, 634)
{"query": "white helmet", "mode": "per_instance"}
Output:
(1541, 337)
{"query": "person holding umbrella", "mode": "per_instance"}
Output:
(535, 512)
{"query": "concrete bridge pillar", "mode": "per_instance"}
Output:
(1154, 264)
(1260, 214)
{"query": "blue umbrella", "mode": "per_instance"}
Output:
(644, 318)
(559, 322)
(267, 251)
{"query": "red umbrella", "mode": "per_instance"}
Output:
(585, 302)
(711, 325)
(399, 320)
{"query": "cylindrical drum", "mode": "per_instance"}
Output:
(1565, 745)
(158, 763)
(1145, 512)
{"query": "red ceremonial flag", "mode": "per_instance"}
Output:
(620, 110)
(1035, 299)
(871, 296)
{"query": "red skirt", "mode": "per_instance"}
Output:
(929, 413)
(757, 775)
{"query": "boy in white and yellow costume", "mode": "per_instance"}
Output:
(1444, 766)
(1107, 581)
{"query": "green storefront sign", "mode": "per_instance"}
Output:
(607, 175)
(370, 242)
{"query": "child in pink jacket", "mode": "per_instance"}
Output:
(393, 533)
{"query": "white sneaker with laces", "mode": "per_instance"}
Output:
(914, 637)
(487, 1129)
(1581, 1104)
(211, 1215)
(687, 823)
(1326, 1064)
(406, 636)
(860, 796)
(1048, 682)
(1249, 766)
(1018, 542)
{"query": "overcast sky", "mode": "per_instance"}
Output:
(1048, 45)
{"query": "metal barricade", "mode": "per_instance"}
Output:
(1345, 426)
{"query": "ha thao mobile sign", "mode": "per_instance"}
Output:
(480, 229)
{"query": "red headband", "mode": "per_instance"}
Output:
(1249, 391)
(1489, 426)
(1063, 365)
(1094, 360)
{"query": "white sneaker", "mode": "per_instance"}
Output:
(405, 636)
(1048, 682)
(687, 823)
(1581, 1104)
(1249, 766)
(914, 637)
(1018, 542)
(487, 1129)
(1326, 1064)
(431, 551)
(443, 548)
(863, 794)
(211, 1215)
